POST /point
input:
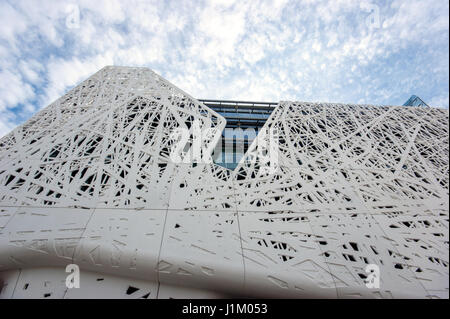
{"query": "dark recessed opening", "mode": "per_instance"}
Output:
(131, 290)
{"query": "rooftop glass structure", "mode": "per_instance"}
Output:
(414, 100)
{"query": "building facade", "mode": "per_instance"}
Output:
(325, 201)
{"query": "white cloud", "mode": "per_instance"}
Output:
(439, 101)
(13, 90)
(261, 50)
(30, 70)
(6, 122)
(12, 23)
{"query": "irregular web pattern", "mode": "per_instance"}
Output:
(89, 180)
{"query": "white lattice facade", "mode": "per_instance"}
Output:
(89, 180)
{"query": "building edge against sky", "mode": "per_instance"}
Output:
(89, 181)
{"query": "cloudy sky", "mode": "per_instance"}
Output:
(376, 52)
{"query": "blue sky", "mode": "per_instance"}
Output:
(372, 52)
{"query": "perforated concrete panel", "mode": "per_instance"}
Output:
(202, 249)
(117, 241)
(40, 236)
(90, 180)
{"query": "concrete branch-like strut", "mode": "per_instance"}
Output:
(89, 180)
